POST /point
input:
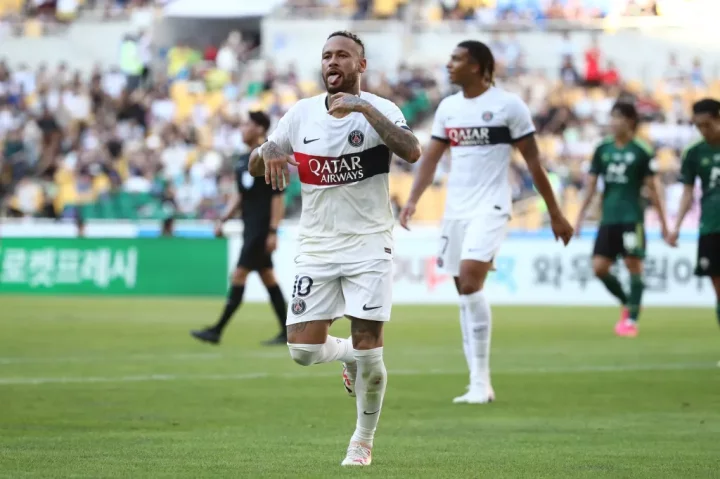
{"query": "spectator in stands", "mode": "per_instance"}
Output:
(675, 75)
(593, 55)
(569, 74)
(611, 76)
(697, 76)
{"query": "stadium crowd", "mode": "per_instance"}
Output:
(139, 143)
(486, 11)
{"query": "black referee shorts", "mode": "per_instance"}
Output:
(254, 255)
(708, 255)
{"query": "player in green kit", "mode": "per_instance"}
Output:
(702, 160)
(626, 165)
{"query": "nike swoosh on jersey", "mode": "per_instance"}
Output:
(306, 141)
(370, 308)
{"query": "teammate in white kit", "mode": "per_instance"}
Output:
(481, 124)
(342, 143)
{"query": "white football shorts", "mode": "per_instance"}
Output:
(478, 239)
(331, 290)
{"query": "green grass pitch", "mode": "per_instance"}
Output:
(103, 388)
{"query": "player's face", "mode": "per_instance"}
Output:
(251, 133)
(461, 67)
(620, 125)
(342, 64)
(708, 126)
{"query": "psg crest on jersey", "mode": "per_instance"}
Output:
(356, 138)
(298, 306)
(487, 116)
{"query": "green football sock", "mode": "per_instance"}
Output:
(636, 291)
(613, 285)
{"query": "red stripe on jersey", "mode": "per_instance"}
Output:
(343, 170)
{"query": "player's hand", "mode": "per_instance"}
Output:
(271, 243)
(671, 238)
(344, 103)
(406, 213)
(578, 228)
(219, 229)
(277, 173)
(561, 228)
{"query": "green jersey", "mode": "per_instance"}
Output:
(703, 160)
(623, 170)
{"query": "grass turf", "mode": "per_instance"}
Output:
(117, 388)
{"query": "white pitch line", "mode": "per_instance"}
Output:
(16, 381)
(279, 353)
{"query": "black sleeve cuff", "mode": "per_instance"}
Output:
(515, 140)
(441, 140)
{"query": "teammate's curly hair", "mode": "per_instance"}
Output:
(351, 36)
(482, 55)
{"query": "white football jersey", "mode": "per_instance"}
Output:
(480, 132)
(343, 167)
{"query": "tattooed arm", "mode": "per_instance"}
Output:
(397, 137)
(271, 161)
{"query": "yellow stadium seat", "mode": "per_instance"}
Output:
(183, 108)
(635, 86)
(288, 98)
(178, 89)
(101, 184)
(214, 101)
(309, 87)
(572, 203)
(434, 13)
(32, 28)
(205, 137)
(66, 195)
(574, 95)
(400, 184)
(385, 8)
(468, 4)
(431, 206)
(597, 94)
(10, 7)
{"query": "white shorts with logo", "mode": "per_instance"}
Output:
(477, 239)
(331, 290)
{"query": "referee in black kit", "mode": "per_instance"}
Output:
(262, 210)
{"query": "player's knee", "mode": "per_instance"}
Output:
(239, 276)
(366, 334)
(601, 268)
(469, 283)
(304, 354)
(469, 287)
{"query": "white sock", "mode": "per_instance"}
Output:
(334, 349)
(370, 391)
(479, 323)
(466, 333)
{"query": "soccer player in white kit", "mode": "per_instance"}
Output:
(481, 124)
(342, 143)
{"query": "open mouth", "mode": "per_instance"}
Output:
(334, 78)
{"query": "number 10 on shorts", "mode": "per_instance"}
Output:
(302, 286)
